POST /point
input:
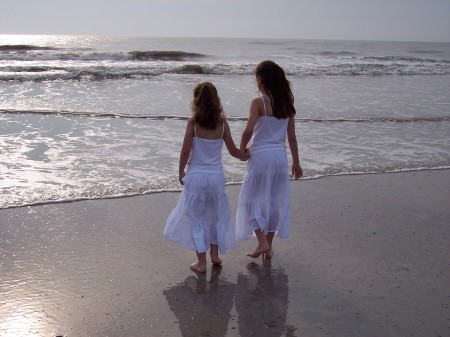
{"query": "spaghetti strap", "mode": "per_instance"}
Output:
(195, 130)
(223, 129)
(264, 103)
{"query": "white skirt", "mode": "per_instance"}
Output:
(202, 215)
(264, 200)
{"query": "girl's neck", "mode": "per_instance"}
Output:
(263, 92)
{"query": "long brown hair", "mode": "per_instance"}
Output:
(206, 107)
(277, 87)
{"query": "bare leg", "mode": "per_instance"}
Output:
(269, 237)
(200, 265)
(214, 254)
(263, 245)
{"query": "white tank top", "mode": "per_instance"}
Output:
(269, 133)
(206, 154)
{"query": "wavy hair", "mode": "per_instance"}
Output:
(278, 88)
(207, 110)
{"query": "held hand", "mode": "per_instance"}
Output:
(297, 171)
(247, 155)
(180, 177)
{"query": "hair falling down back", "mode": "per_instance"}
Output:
(275, 83)
(206, 106)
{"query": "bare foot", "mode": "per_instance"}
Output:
(216, 261)
(268, 254)
(198, 268)
(214, 254)
(261, 249)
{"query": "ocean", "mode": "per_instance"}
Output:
(85, 117)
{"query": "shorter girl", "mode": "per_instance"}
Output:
(202, 216)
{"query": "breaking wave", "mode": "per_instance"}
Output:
(22, 48)
(35, 53)
(101, 72)
(44, 63)
(163, 55)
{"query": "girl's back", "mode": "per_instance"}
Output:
(206, 155)
(270, 132)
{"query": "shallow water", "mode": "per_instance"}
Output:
(89, 117)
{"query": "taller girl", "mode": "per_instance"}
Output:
(264, 200)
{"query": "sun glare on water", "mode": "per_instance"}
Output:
(22, 39)
(25, 317)
(18, 324)
(60, 41)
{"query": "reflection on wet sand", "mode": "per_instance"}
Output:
(261, 300)
(260, 297)
(202, 307)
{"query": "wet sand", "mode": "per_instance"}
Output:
(368, 255)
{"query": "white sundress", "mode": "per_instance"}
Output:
(264, 199)
(202, 215)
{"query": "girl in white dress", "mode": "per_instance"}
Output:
(264, 200)
(202, 216)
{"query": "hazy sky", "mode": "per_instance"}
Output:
(416, 20)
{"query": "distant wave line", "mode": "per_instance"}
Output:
(165, 55)
(23, 47)
(38, 73)
(20, 53)
(230, 118)
(90, 114)
(405, 59)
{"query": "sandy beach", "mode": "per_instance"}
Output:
(368, 255)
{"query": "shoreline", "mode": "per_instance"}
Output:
(237, 183)
(367, 256)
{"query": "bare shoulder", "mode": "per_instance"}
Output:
(226, 126)
(256, 106)
(190, 126)
(190, 123)
(256, 101)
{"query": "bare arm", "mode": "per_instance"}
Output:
(297, 171)
(252, 118)
(185, 150)
(232, 149)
